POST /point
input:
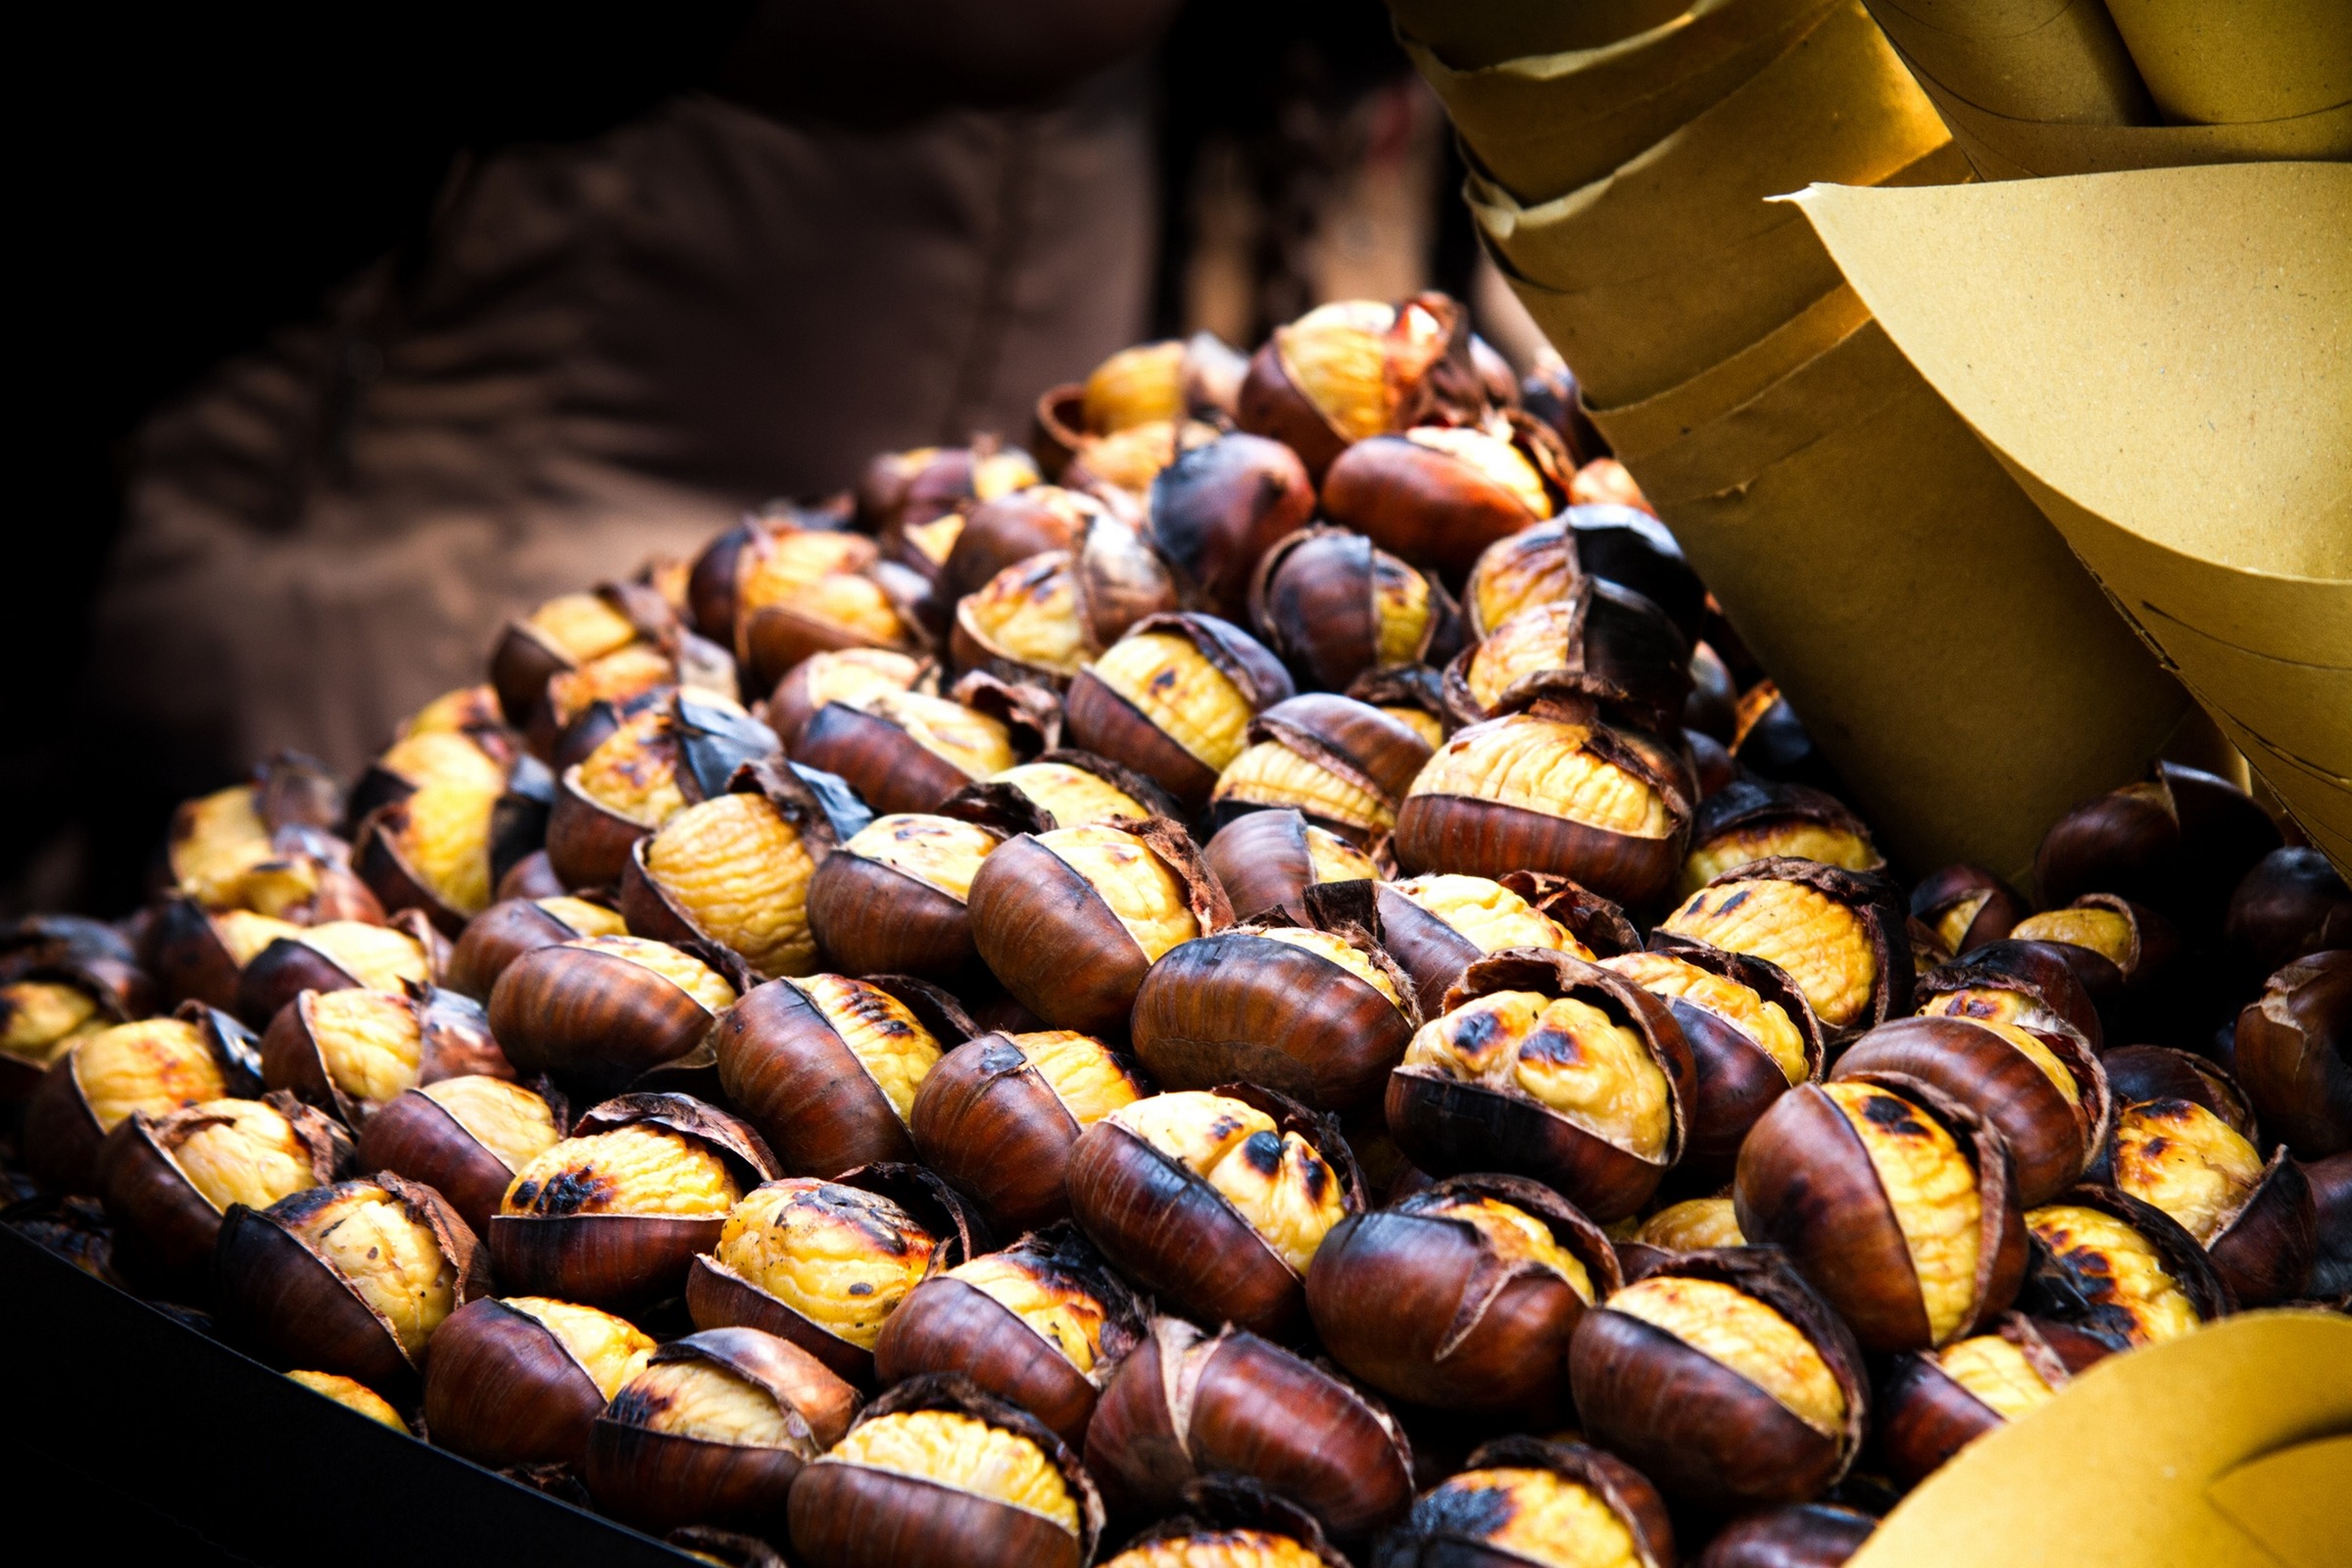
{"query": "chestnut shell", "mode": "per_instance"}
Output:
(502, 1389)
(993, 1127)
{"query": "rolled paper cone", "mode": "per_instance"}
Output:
(2228, 62)
(2047, 59)
(1468, 34)
(2227, 1448)
(2168, 383)
(1545, 125)
(1953, 661)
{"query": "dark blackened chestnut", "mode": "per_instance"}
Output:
(2121, 952)
(2030, 984)
(1967, 907)
(801, 591)
(1712, 710)
(1437, 926)
(2139, 1073)
(199, 955)
(1726, 1380)
(465, 1138)
(1796, 1534)
(1838, 934)
(1462, 1295)
(567, 633)
(1070, 920)
(1172, 699)
(1547, 1066)
(521, 1380)
(1935, 1402)
(2255, 1220)
(611, 1214)
(893, 899)
(1604, 635)
(1184, 1405)
(1345, 764)
(1215, 1202)
(354, 1278)
(2292, 905)
(2293, 1053)
(1268, 860)
(1355, 368)
(1334, 605)
(348, 1052)
(1042, 1324)
(338, 954)
(606, 1008)
(998, 1115)
(512, 927)
(1526, 1501)
(936, 1474)
(1758, 819)
(2117, 1268)
(1436, 495)
(2044, 1093)
(2178, 842)
(168, 1180)
(156, 1066)
(1222, 506)
(715, 1427)
(1894, 1201)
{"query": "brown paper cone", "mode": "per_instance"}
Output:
(2228, 1448)
(1470, 34)
(2228, 61)
(2168, 383)
(2047, 59)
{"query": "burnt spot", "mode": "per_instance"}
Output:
(1224, 1127)
(1557, 1046)
(862, 1288)
(1314, 1177)
(571, 1191)
(1002, 1056)
(1472, 1030)
(634, 1406)
(1262, 1152)
(1893, 1117)
(1465, 1512)
(877, 1219)
(1732, 902)
(2155, 1147)
(1164, 681)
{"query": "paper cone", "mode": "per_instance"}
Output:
(2160, 358)
(1545, 125)
(2044, 59)
(1470, 34)
(2228, 61)
(2227, 1448)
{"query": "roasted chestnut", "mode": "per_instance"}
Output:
(2119, 949)
(521, 1380)
(1462, 1295)
(2139, 1073)
(1726, 1380)
(1967, 907)
(217, 841)
(512, 927)
(801, 591)
(902, 492)
(1604, 481)
(936, 1474)
(1413, 695)
(2178, 842)
(2029, 984)
(1759, 819)
(1693, 1225)
(892, 900)
(354, 1278)
(349, 1051)
(156, 1066)
(1042, 1324)
(352, 1395)
(1436, 495)
(611, 1214)
(1437, 926)
(1620, 543)
(1355, 368)
(1345, 764)
(2292, 1052)
(1060, 788)
(2044, 1093)
(2118, 1269)
(167, 1179)
(1894, 1201)
(1216, 1203)
(998, 1115)
(2331, 1182)
(565, 633)
(714, 1428)
(1014, 527)
(2293, 904)
(1605, 637)
(849, 675)
(1172, 699)
(1523, 1500)
(904, 751)
(660, 759)
(1156, 382)
(2256, 1219)
(1268, 860)
(1334, 606)
(41, 1019)
(1547, 1066)
(463, 1137)
(583, 706)
(605, 1008)
(430, 848)
(1796, 1534)
(1119, 467)
(1184, 1405)
(336, 955)
(1935, 1402)
(1838, 934)
(1070, 920)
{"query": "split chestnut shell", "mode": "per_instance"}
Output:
(1270, 859)
(607, 1009)
(1172, 698)
(1222, 506)
(521, 1381)
(1000, 1114)
(2293, 1053)
(465, 1138)
(1510, 1507)
(348, 1052)
(1934, 1404)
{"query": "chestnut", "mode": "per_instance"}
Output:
(1436, 495)
(1462, 1295)
(1039, 618)
(464, 1137)
(1896, 1201)
(2331, 1182)
(1711, 713)
(611, 1214)
(1728, 1382)
(1119, 467)
(1760, 819)
(2120, 949)
(902, 491)
(606, 1008)
(659, 760)
(42, 1018)
(167, 1179)
(1314, 1011)
(1061, 788)
(1268, 860)
(2118, 1269)
(1523, 1500)
(583, 706)
(893, 899)
(1042, 1324)
(904, 751)
(998, 1115)
(1151, 382)
(2136, 1074)
(1071, 919)
(515, 926)
(1795, 1535)
(196, 954)
(1604, 481)
(352, 1395)
(2179, 841)
(565, 633)
(1935, 1402)
(217, 841)
(1413, 695)
(801, 591)
(349, 1051)
(1548, 1066)
(1343, 762)
(1014, 527)
(1334, 606)
(355, 1278)
(1354, 369)
(2257, 1220)
(840, 675)
(1221, 507)
(156, 1066)
(1838, 934)
(2292, 1052)
(2292, 905)
(936, 1474)
(1172, 699)
(1186, 1405)
(1215, 1203)
(336, 955)
(521, 1380)
(824, 1264)
(1550, 788)
(1693, 1225)
(715, 1427)
(430, 848)
(2043, 1092)
(1967, 907)
(1437, 926)
(2030, 984)
(1603, 635)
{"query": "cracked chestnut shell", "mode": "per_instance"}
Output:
(1345, 764)
(1755, 820)
(1186, 1405)
(431, 850)
(1462, 1295)
(2293, 1053)
(904, 750)
(607, 1009)
(464, 1137)
(1525, 1502)
(998, 1115)
(898, 492)
(1221, 507)
(1013, 528)
(521, 1380)
(337, 954)
(1725, 1379)
(1354, 369)
(349, 1051)
(678, 748)
(894, 898)
(1438, 926)
(2118, 1269)
(566, 633)
(1040, 618)
(2257, 1219)
(2139, 1073)
(1795, 1535)
(801, 591)
(515, 926)
(1602, 636)
(2126, 954)
(1436, 495)
(1270, 859)
(1546, 1067)
(2030, 984)
(1933, 1404)
(156, 1066)
(216, 842)
(1334, 606)
(2178, 842)
(1967, 907)
(1894, 1201)
(1618, 544)
(1840, 935)
(1172, 699)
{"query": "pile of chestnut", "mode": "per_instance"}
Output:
(1266, 982)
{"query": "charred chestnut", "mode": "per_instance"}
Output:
(1602, 636)
(2136, 1074)
(1173, 699)
(2293, 904)
(604, 1008)
(2119, 1269)
(463, 1137)
(1355, 369)
(2293, 1053)
(893, 899)
(156, 1066)
(1436, 495)
(1527, 1501)
(1334, 606)
(1838, 934)
(1967, 907)
(1935, 1402)
(1345, 764)
(521, 1380)
(2256, 1219)
(168, 1180)
(512, 927)
(998, 1115)
(1268, 860)
(2178, 842)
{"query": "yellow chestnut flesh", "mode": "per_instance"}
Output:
(615, 677)
(1765, 1022)
(639, 1170)
(1932, 1189)
(1275, 1180)
(393, 1262)
(1541, 764)
(351, 1394)
(2103, 931)
(244, 934)
(1029, 611)
(1000, 473)
(1489, 916)
(939, 852)
(1536, 639)
(964, 1455)
(1131, 459)
(935, 540)
(2129, 1274)
(369, 1040)
(1533, 567)
(740, 871)
(961, 736)
(1495, 459)
(2026, 1045)
(1735, 1328)
(37, 1017)
(1399, 610)
(1983, 1004)
(1692, 1225)
(1135, 386)
(1337, 355)
(1137, 886)
(465, 708)
(633, 772)
(1951, 929)
(1219, 1549)
(442, 756)
(216, 839)
(1517, 1236)
(581, 626)
(851, 675)
(507, 1119)
(1173, 684)
(1089, 1080)
(2185, 1160)
(609, 1349)
(1072, 795)
(377, 956)
(244, 1152)
(1538, 1516)
(1998, 1373)
(1563, 1052)
(1804, 841)
(446, 841)
(840, 1256)
(1270, 773)
(156, 1066)
(1334, 859)
(1062, 1315)
(1823, 944)
(820, 575)
(1333, 950)
(895, 1051)
(1421, 723)
(586, 918)
(680, 968)
(696, 1399)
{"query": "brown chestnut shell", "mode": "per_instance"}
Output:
(412, 1135)
(1440, 1533)
(1795, 1535)
(597, 1016)
(1314, 599)
(989, 1122)
(2293, 1053)
(496, 938)
(61, 1136)
(1734, 1079)
(2036, 972)
(1100, 720)
(1872, 897)
(871, 918)
(2058, 1290)
(1924, 1415)
(502, 1388)
(1263, 862)
(2136, 1074)
(454, 1038)
(291, 965)
(1967, 907)
(1222, 506)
